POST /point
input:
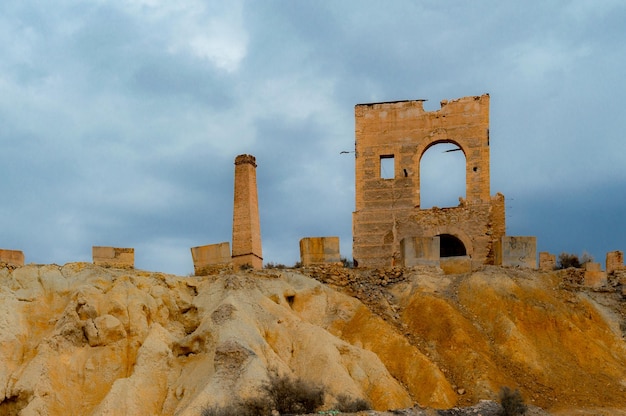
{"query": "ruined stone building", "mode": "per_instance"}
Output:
(389, 226)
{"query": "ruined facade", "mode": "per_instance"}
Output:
(388, 206)
(246, 222)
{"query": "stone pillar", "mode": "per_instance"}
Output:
(614, 261)
(594, 276)
(246, 223)
(547, 261)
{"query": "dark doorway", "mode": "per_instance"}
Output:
(450, 246)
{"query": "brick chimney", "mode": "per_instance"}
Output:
(246, 224)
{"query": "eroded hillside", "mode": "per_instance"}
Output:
(84, 340)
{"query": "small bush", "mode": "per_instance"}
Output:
(347, 404)
(567, 260)
(347, 263)
(283, 394)
(298, 265)
(252, 407)
(291, 396)
(512, 402)
(271, 265)
(586, 258)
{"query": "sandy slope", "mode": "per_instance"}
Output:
(83, 340)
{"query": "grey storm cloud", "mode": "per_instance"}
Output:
(121, 120)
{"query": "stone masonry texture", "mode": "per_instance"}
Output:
(614, 261)
(388, 209)
(210, 258)
(547, 261)
(319, 250)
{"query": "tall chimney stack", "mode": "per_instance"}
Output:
(246, 224)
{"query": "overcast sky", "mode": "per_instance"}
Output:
(120, 120)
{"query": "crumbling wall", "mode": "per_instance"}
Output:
(615, 261)
(122, 258)
(12, 257)
(211, 259)
(388, 207)
(422, 251)
(594, 276)
(319, 250)
(547, 261)
(516, 251)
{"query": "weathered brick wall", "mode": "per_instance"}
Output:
(211, 258)
(377, 235)
(11, 257)
(614, 261)
(516, 251)
(547, 261)
(122, 258)
(247, 248)
(594, 276)
(319, 250)
(388, 210)
(423, 251)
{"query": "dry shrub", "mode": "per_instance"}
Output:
(512, 402)
(271, 265)
(281, 393)
(567, 260)
(293, 396)
(347, 404)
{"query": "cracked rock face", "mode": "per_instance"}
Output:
(84, 340)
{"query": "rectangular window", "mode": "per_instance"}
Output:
(387, 168)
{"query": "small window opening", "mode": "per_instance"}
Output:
(387, 167)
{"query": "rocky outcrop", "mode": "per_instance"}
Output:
(84, 340)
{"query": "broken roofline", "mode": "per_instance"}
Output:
(419, 100)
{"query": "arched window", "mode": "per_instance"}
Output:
(451, 246)
(442, 176)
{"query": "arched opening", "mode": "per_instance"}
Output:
(442, 176)
(451, 246)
